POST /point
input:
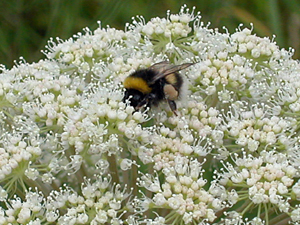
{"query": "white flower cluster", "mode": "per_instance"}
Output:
(268, 178)
(182, 190)
(72, 151)
(259, 127)
(20, 212)
(98, 204)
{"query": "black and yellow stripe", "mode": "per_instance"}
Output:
(137, 83)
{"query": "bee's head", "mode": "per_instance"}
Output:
(134, 97)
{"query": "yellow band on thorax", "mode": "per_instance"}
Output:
(137, 83)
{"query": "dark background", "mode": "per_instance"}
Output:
(27, 25)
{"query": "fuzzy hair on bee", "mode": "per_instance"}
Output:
(150, 86)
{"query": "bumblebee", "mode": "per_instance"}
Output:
(159, 82)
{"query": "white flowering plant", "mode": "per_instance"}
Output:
(72, 152)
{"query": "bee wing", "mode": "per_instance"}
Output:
(165, 68)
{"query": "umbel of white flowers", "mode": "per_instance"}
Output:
(72, 152)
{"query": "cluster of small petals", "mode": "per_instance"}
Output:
(256, 46)
(295, 215)
(100, 202)
(173, 27)
(195, 133)
(15, 154)
(182, 190)
(96, 118)
(83, 47)
(233, 218)
(219, 76)
(158, 28)
(201, 118)
(256, 127)
(23, 212)
(268, 178)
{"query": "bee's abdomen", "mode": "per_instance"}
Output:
(175, 80)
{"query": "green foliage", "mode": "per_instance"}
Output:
(26, 25)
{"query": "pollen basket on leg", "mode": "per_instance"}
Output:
(170, 92)
(137, 83)
(171, 79)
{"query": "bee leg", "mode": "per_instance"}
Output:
(147, 100)
(141, 104)
(173, 106)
